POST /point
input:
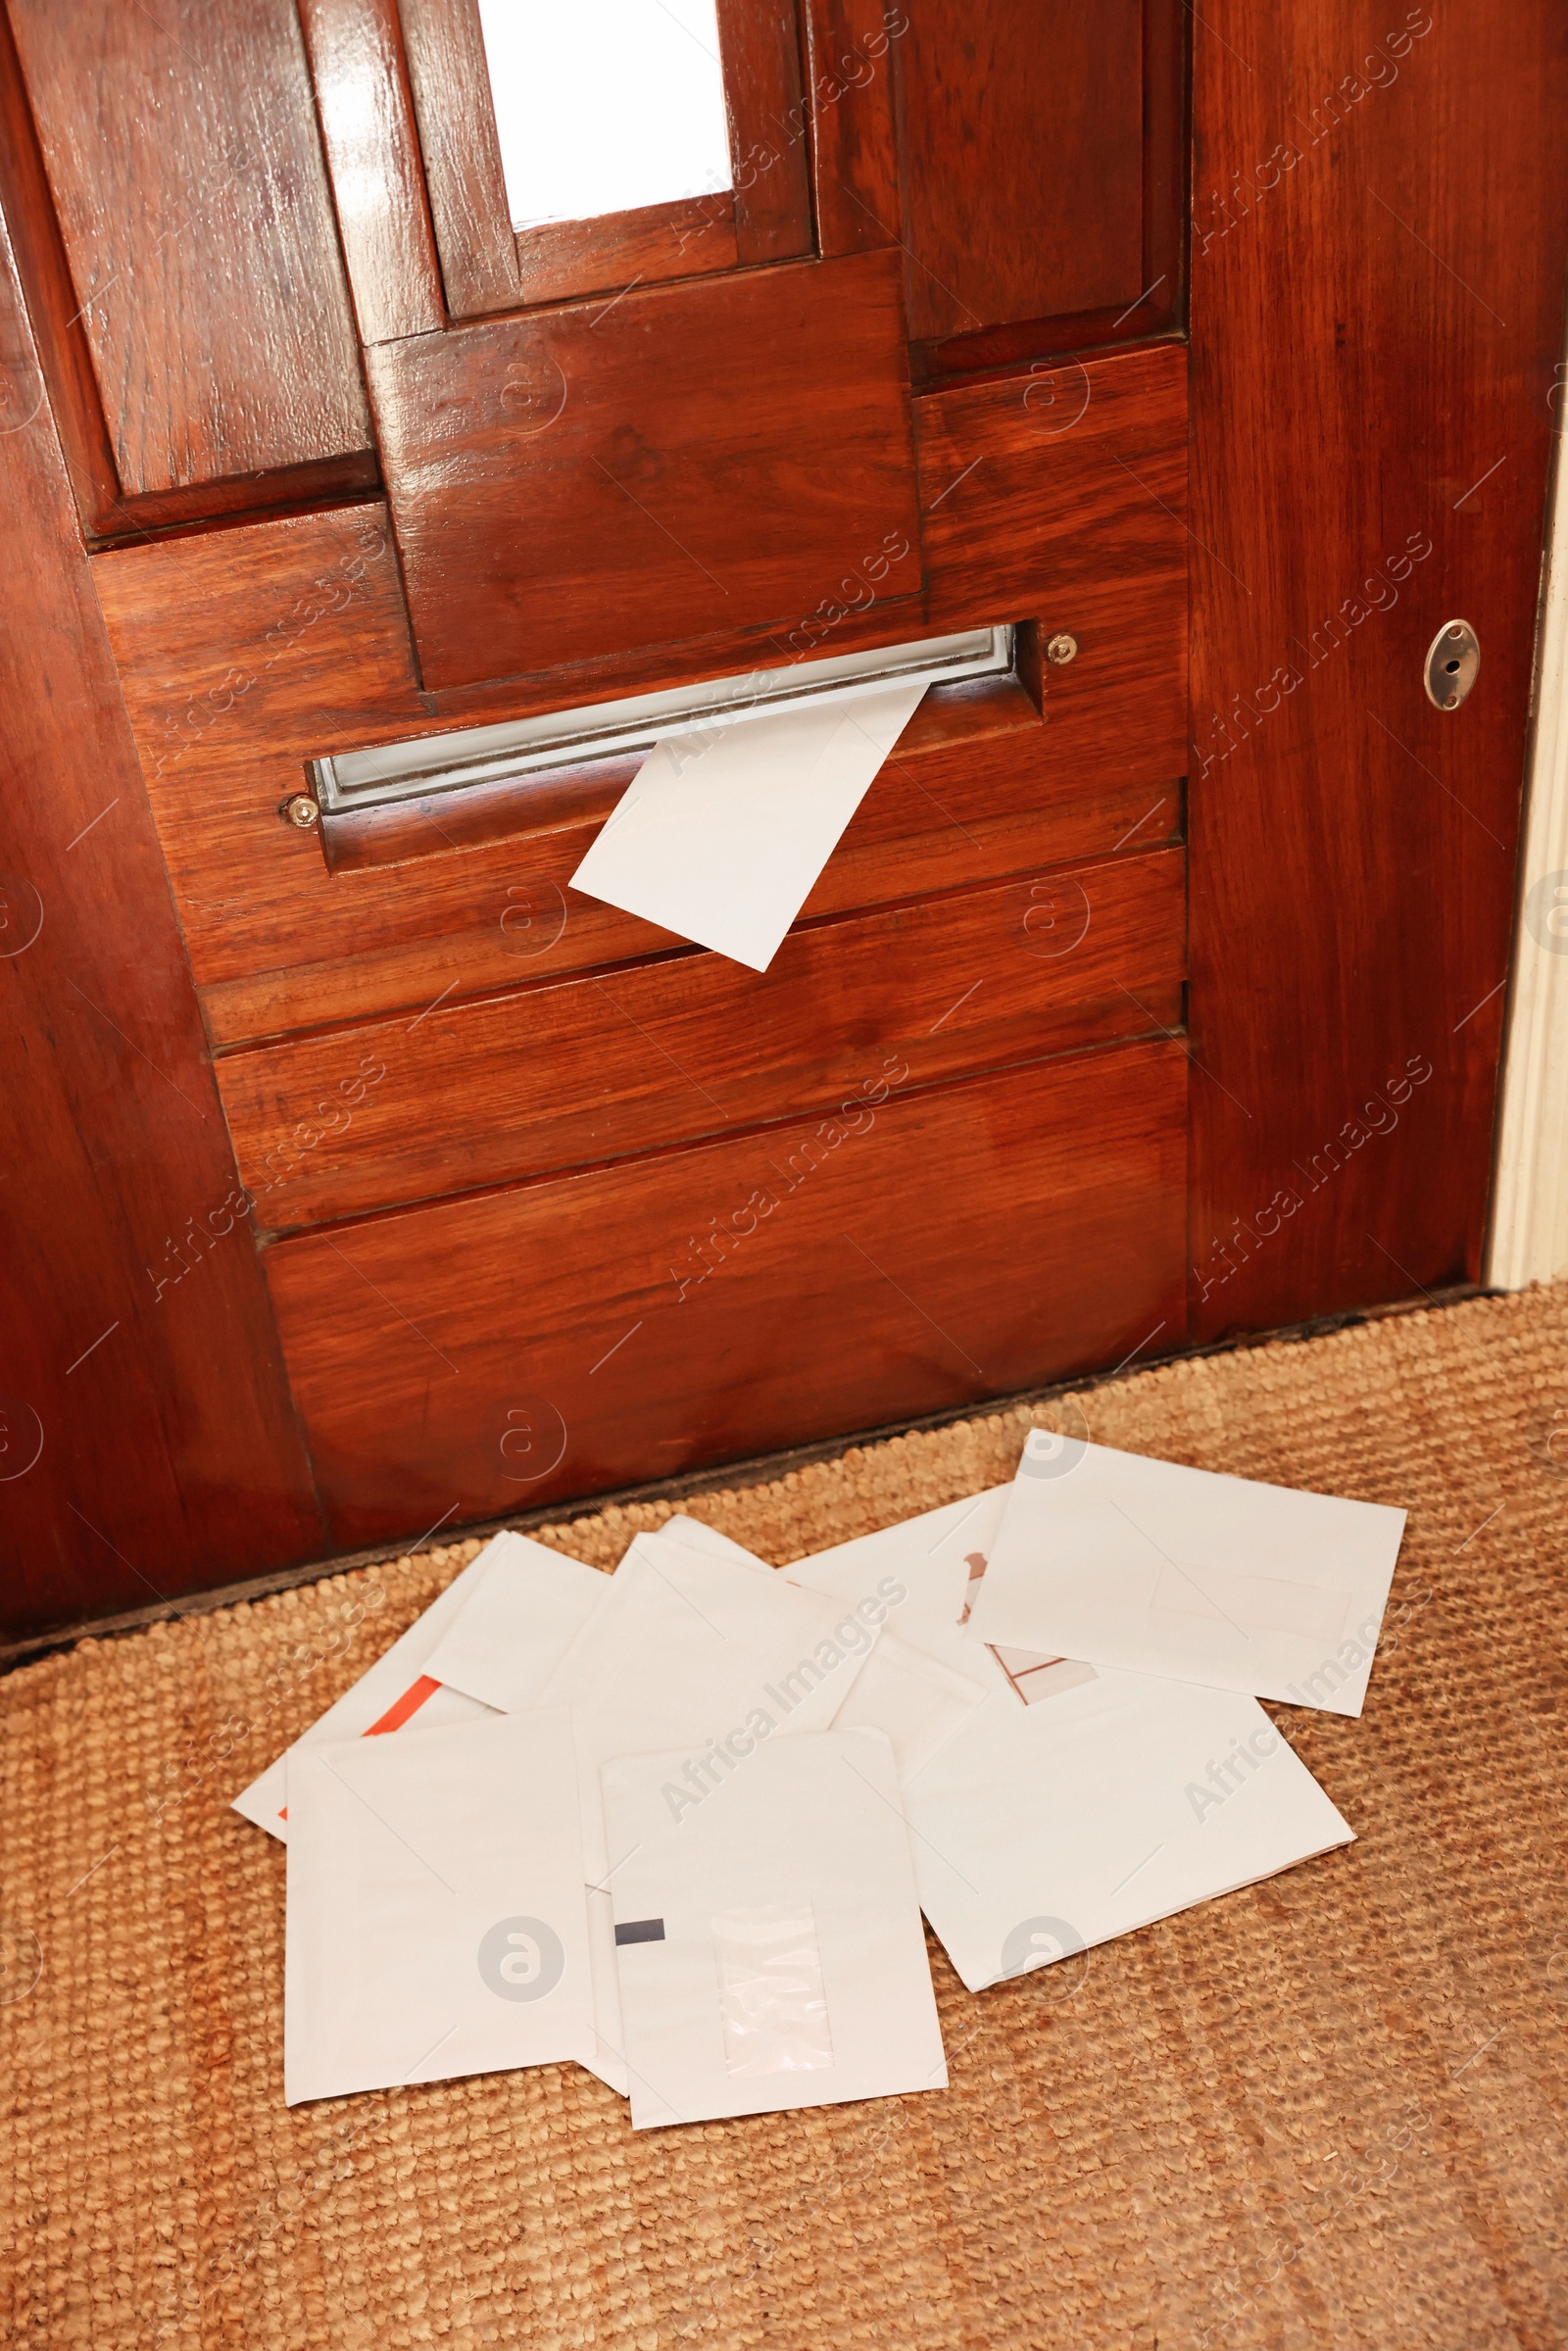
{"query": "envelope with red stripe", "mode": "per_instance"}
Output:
(399, 1688)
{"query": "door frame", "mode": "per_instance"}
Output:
(1529, 1237)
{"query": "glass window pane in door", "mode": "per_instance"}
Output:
(604, 105)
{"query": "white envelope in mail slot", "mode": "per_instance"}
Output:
(437, 1923)
(769, 1939)
(720, 836)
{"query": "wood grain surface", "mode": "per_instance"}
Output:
(358, 70)
(689, 459)
(560, 260)
(1380, 220)
(595, 1068)
(914, 1250)
(759, 47)
(147, 1442)
(1081, 221)
(444, 46)
(187, 174)
(1063, 472)
(1021, 144)
(854, 163)
(243, 655)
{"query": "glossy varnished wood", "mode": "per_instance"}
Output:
(131, 1467)
(704, 456)
(65, 353)
(187, 177)
(1377, 312)
(913, 1251)
(451, 83)
(358, 70)
(64, 350)
(853, 146)
(562, 259)
(1021, 137)
(600, 1067)
(759, 44)
(1061, 474)
(244, 655)
(1380, 223)
(1159, 305)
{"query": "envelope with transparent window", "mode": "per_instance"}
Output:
(768, 1942)
(701, 1646)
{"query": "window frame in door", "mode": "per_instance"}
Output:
(488, 267)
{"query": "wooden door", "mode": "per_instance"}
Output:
(387, 1182)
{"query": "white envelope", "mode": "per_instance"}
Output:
(1157, 1569)
(1075, 1804)
(922, 1680)
(913, 1698)
(698, 1536)
(720, 836)
(690, 1643)
(1039, 1829)
(436, 1917)
(398, 1689)
(921, 1568)
(768, 1943)
(506, 1641)
(691, 1648)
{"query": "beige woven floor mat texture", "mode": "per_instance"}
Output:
(1327, 2110)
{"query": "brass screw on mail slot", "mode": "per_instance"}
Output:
(302, 810)
(1061, 647)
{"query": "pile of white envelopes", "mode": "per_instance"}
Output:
(679, 1824)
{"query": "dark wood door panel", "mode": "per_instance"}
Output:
(854, 165)
(186, 176)
(371, 142)
(244, 655)
(1022, 126)
(484, 1092)
(683, 459)
(147, 1440)
(1377, 321)
(1058, 477)
(1044, 152)
(274, 598)
(920, 1251)
(449, 84)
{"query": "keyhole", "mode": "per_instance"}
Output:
(1453, 658)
